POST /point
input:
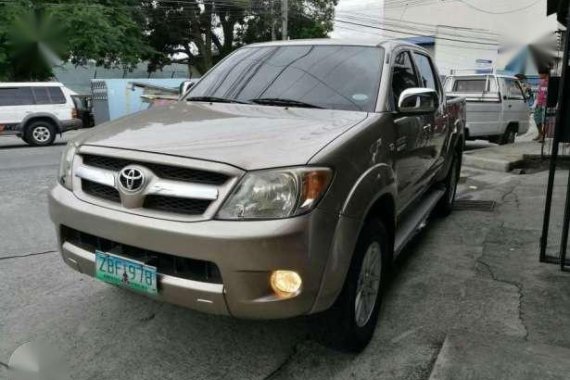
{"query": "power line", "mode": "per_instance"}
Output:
(408, 33)
(501, 12)
(425, 28)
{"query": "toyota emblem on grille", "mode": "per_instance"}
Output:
(131, 179)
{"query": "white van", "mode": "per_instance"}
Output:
(497, 109)
(36, 111)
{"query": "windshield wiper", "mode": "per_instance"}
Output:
(215, 99)
(283, 102)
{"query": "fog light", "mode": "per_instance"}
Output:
(286, 283)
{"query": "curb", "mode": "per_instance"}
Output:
(490, 163)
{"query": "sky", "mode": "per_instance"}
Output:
(354, 7)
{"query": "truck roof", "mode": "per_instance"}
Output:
(481, 75)
(337, 42)
(31, 84)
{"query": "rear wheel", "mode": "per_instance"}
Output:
(510, 135)
(40, 133)
(351, 321)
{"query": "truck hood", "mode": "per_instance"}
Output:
(246, 136)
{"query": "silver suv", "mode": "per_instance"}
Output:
(283, 184)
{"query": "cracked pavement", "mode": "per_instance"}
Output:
(474, 274)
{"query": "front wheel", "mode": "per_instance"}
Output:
(510, 136)
(351, 321)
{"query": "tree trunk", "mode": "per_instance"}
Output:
(208, 35)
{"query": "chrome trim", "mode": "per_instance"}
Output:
(156, 186)
(100, 176)
(234, 174)
(191, 284)
(182, 190)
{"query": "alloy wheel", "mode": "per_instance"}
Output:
(41, 134)
(368, 284)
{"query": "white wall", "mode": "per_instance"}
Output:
(520, 27)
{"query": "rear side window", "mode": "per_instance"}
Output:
(471, 85)
(428, 78)
(56, 95)
(41, 95)
(16, 96)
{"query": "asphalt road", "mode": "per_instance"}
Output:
(106, 333)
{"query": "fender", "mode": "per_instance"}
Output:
(457, 138)
(45, 115)
(376, 182)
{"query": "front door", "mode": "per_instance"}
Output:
(515, 105)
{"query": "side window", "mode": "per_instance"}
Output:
(56, 95)
(16, 96)
(427, 75)
(41, 95)
(514, 90)
(404, 75)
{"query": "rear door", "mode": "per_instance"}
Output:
(435, 125)
(411, 137)
(515, 106)
(52, 100)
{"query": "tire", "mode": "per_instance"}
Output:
(24, 139)
(350, 323)
(40, 133)
(445, 205)
(510, 135)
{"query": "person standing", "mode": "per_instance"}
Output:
(540, 106)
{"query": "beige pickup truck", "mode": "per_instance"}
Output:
(283, 184)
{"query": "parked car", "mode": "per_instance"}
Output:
(284, 184)
(84, 107)
(36, 111)
(497, 108)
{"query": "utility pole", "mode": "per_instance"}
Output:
(284, 18)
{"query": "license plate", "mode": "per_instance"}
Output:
(124, 272)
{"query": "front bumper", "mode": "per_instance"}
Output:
(246, 252)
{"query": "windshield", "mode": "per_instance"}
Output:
(333, 77)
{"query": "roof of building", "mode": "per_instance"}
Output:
(78, 78)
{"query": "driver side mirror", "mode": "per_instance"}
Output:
(418, 101)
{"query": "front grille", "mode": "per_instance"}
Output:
(174, 173)
(190, 269)
(100, 191)
(176, 205)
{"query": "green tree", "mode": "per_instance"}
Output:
(201, 32)
(307, 19)
(35, 34)
(196, 33)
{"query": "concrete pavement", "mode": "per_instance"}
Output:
(468, 282)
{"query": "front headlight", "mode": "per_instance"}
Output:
(66, 165)
(275, 194)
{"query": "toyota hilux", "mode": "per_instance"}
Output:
(284, 183)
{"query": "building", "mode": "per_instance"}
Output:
(468, 35)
